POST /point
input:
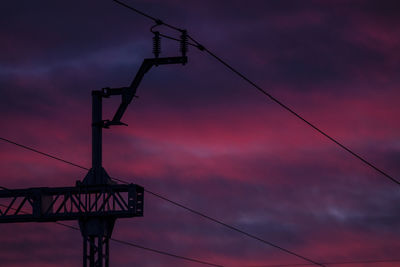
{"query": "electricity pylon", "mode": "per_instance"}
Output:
(97, 201)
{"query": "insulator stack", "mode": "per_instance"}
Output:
(184, 43)
(156, 44)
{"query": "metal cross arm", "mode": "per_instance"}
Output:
(44, 204)
(128, 93)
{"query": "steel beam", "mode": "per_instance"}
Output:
(43, 204)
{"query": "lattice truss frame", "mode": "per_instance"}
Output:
(43, 204)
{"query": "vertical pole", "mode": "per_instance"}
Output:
(96, 230)
(97, 128)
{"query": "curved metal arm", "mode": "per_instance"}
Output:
(128, 93)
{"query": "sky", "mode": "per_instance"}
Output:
(201, 136)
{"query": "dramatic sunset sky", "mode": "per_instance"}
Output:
(200, 135)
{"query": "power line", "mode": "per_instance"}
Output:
(233, 228)
(149, 249)
(157, 21)
(42, 153)
(136, 245)
(209, 263)
(264, 92)
(213, 264)
(362, 159)
(164, 253)
(176, 204)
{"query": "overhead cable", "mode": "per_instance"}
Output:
(137, 245)
(176, 204)
(264, 92)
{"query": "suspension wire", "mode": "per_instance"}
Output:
(233, 228)
(165, 253)
(212, 264)
(134, 244)
(157, 21)
(42, 153)
(356, 155)
(274, 99)
(202, 48)
(149, 249)
(178, 205)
